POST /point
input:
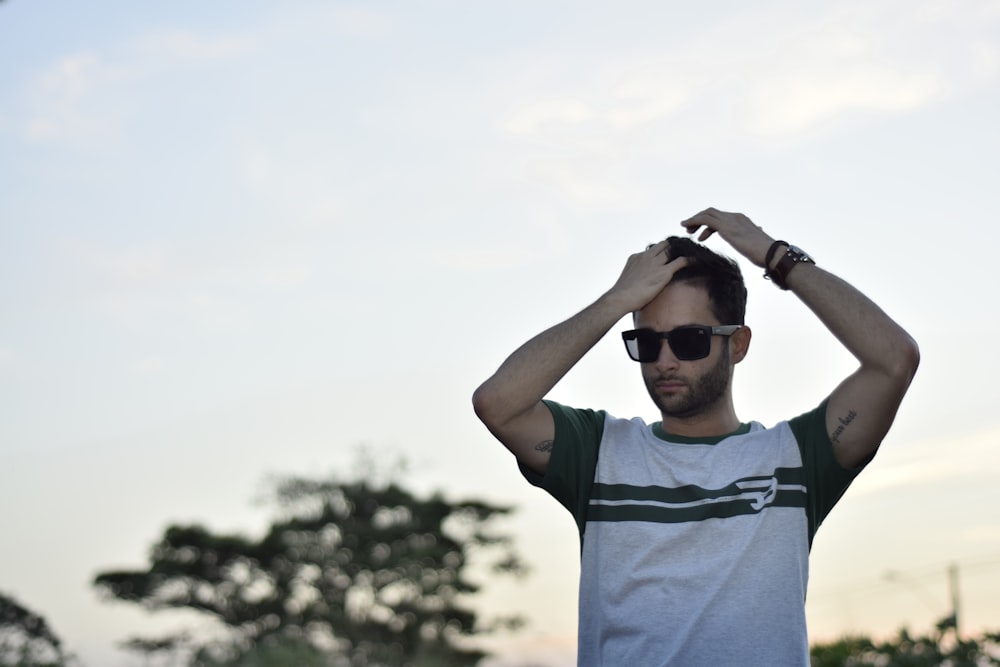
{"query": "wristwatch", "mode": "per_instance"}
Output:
(793, 255)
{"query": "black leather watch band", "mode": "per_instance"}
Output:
(788, 261)
(770, 255)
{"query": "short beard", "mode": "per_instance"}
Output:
(703, 395)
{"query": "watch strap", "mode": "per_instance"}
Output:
(792, 257)
(770, 255)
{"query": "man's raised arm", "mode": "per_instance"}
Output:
(862, 408)
(510, 402)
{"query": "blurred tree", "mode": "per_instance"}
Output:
(350, 573)
(905, 650)
(26, 639)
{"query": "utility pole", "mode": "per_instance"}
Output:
(949, 622)
(953, 588)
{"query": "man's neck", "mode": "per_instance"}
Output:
(705, 425)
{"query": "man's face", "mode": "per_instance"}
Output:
(684, 388)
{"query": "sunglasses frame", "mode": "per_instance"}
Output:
(717, 330)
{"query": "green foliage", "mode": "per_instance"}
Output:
(936, 650)
(26, 639)
(348, 574)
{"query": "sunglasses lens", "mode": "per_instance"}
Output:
(643, 345)
(689, 343)
(648, 346)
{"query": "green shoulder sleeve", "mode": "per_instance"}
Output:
(826, 480)
(570, 474)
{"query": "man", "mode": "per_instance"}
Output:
(696, 529)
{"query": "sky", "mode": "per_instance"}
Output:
(241, 239)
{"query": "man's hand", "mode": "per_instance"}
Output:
(644, 277)
(738, 231)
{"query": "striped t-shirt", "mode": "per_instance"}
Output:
(694, 551)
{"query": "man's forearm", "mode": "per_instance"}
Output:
(863, 406)
(528, 374)
(856, 321)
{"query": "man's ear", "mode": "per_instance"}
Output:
(739, 344)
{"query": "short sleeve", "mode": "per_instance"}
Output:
(826, 479)
(570, 473)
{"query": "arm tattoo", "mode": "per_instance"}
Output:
(544, 446)
(843, 423)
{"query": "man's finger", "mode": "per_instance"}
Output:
(696, 222)
(677, 263)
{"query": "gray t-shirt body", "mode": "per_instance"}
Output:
(694, 552)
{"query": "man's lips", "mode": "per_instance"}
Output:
(669, 384)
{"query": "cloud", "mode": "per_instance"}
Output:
(782, 72)
(585, 182)
(795, 102)
(773, 75)
(6, 356)
(636, 102)
(293, 177)
(477, 259)
(362, 22)
(286, 276)
(58, 97)
(984, 533)
(492, 250)
(134, 264)
(644, 98)
(84, 96)
(190, 45)
(536, 116)
(142, 269)
(150, 366)
(958, 459)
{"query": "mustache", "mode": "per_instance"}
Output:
(668, 378)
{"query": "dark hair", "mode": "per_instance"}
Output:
(719, 275)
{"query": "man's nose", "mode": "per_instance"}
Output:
(667, 359)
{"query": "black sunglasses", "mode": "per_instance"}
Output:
(687, 343)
